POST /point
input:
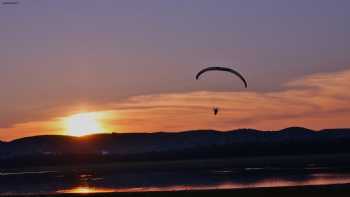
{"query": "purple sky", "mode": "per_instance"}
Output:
(57, 53)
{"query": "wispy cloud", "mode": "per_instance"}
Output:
(316, 101)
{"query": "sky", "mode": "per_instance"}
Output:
(129, 66)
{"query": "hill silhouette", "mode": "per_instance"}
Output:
(175, 146)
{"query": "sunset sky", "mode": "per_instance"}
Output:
(85, 66)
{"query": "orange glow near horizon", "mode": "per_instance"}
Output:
(83, 124)
(317, 102)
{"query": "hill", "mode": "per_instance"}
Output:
(175, 146)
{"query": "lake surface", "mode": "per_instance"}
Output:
(90, 181)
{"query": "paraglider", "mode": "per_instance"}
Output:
(225, 69)
(216, 110)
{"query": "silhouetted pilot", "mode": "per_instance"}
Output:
(216, 110)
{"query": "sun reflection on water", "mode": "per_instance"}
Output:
(86, 190)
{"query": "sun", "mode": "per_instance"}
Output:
(83, 124)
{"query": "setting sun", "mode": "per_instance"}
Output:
(83, 124)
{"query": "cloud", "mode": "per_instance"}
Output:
(315, 101)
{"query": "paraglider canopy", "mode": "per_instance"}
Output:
(225, 69)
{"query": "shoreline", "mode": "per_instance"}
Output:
(311, 190)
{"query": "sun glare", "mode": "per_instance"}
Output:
(83, 124)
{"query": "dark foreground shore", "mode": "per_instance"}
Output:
(300, 191)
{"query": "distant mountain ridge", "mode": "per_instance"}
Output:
(183, 145)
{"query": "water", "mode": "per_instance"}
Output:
(93, 181)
